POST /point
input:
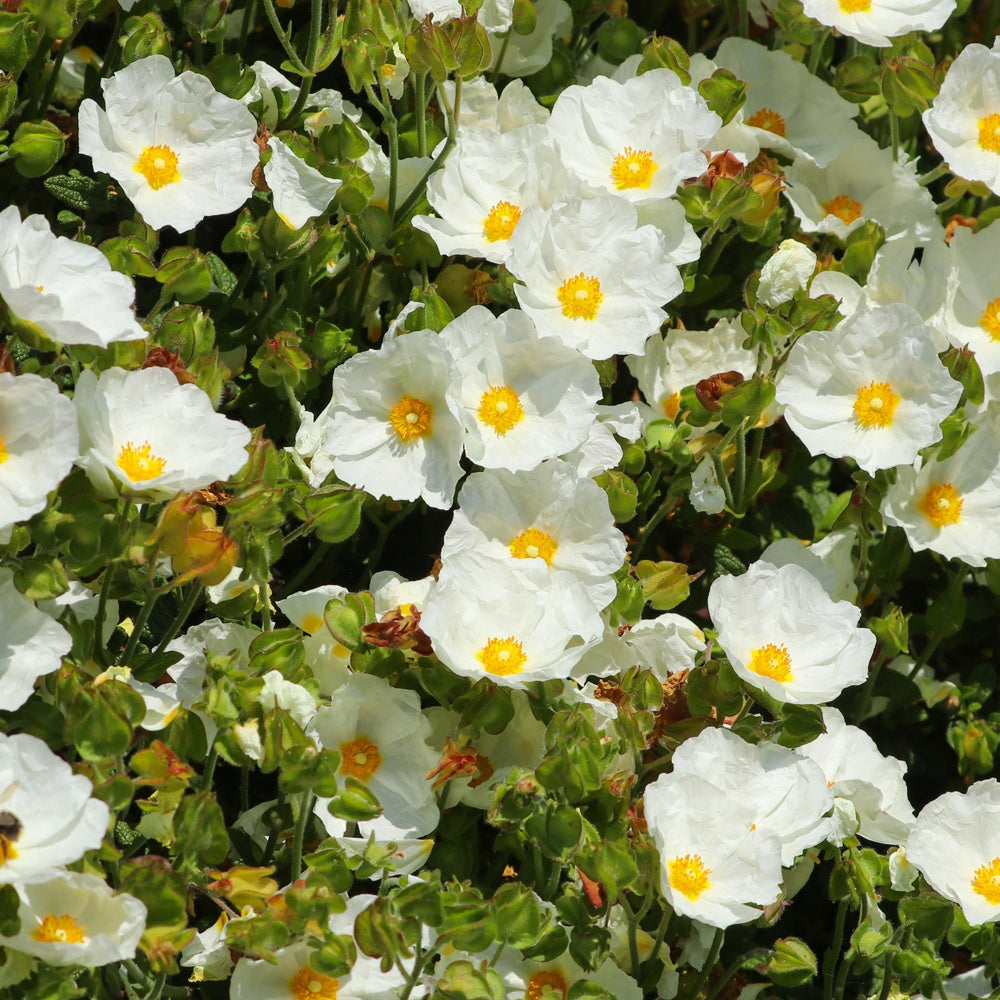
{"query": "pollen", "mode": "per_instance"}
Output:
(501, 221)
(672, 405)
(772, 661)
(502, 657)
(688, 875)
(580, 296)
(990, 320)
(875, 405)
(359, 758)
(411, 418)
(63, 930)
(855, 6)
(4, 454)
(158, 164)
(500, 408)
(769, 120)
(633, 168)
(941, 505)
(139, 463)
(989, 133)
(844, 207)
(986, 882)
(534, 544)
(7, 848)
(547, 983)
(311, 985)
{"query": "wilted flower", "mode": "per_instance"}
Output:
(179, 149)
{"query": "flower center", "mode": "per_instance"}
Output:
(158, 164)
(855, 6)
(500, 408)
(4, 454)
(139, 463)
(411, 418)
(941, 505)
(771, 661)
(311, 985)
(989, 132)
(688, 875)
(580, 296)
(549, 983)
(986, 882)
(875, 405)
(633, 168)
(990, 320)
(844, 207)
(534, 544)
(312, 623)
(502, 656)
(769, 120)
(672, 405)
(64, 930)
(359, 758)
(10, 830)
(501, 221)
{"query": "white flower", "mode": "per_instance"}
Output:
(786, 272)
(300, 192)
(791, 110)
(178, 148)
(522, 55)
(521, 399)
(327, 658)
(783, 634)
(601, 451)
(861, 183)
(39, 441)
(391, 431)
(381, 736)
(77, 919)
(955, 843)
(707, 496)
(875, 22)
(526, 979)
(32, 644)
(964, 118)
(871, 389)
(856, 770)
(293, 698)
(482, 108)
(36, 839)
(830, 560)
(144, 434)
(592, 276)
(64, 288)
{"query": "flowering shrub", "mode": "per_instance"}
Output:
(499, 498)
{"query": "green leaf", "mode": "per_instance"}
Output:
(792, 963)
(800, 724)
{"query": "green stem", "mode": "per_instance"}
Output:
(720, 474)
(249, 15)
(180, 618)
(720, 984)
(669, 504)
(139, 627)
(98, 651)
(954, 586)
(894, 133)
(301, 822)
(420, 106)
(932, 175)
(50, 84)
(817, 50)
(285, 39)
(832, 955)
(706, 969)
(739, 493)
(744, 19)
(210, 761)
(842, 974)
(312, 48)
(883, 993)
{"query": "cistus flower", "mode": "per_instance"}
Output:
(877, 22)
(392, 431)
(871, 389)
(955, 844)
(39, 441)
(36, 840)
(77, 919)
(526, 979)
(145, 435)
(964, 119)
(299, 192)
(64, 288)
(178, 148)
(784, 634)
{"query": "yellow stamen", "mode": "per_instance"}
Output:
(502, 657)
(580, 296)
(875, 405)
(688, 875)
(672, 405)
(769, 120)
(633, 168)
(4, 454)
(941, 505)
(990, 320)
(139, 463)
(548, 983)
(158, 164)
(64, 930)
(771, 661)
(989, 133)
(311, 985)
(855, 6)
(359, 758)
(500, 408)
(501, 221)
(844, 207)
(534, 544)
(312, 623)
(986, 882)
(411, 418)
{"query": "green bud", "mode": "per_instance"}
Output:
(19, 35)
(724, 92)
(857, 79)
(633, 459)
(280, 359)
(336, 514)
(145, 35)
(664, 584)
(8, 96)
(429, 50)
(618, 39)
(187, 331)
(524, 17)
(662, 52)
(623, 494)
(473, 53)
(792, 963)
(36, 148)
(185, 274)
